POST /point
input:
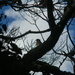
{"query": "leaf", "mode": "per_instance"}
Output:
(0, 44)
(5, 16)
(3, 47)
(4, 27)
(15, 48)
(19, 2)
(1, 31)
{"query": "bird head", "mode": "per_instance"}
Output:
(38, 42)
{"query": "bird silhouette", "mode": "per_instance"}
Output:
(38, 42)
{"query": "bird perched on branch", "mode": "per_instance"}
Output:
(38, 42)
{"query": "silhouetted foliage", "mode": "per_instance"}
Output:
(4, 27)
(12, 60)
(15, 48)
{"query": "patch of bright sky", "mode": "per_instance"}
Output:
(67, 66)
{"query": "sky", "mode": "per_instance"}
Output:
(15, 19)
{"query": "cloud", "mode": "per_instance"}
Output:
(11, 13)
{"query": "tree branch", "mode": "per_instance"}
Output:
(28, 32)
(51, 19)
(45, 67)
(42, 49)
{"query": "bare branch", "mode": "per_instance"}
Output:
(39, 51)
(42, 66)
(28, 32)
(51, 19)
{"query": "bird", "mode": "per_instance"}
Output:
(38, 42)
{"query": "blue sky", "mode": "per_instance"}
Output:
(72, 29)
(8, 19)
